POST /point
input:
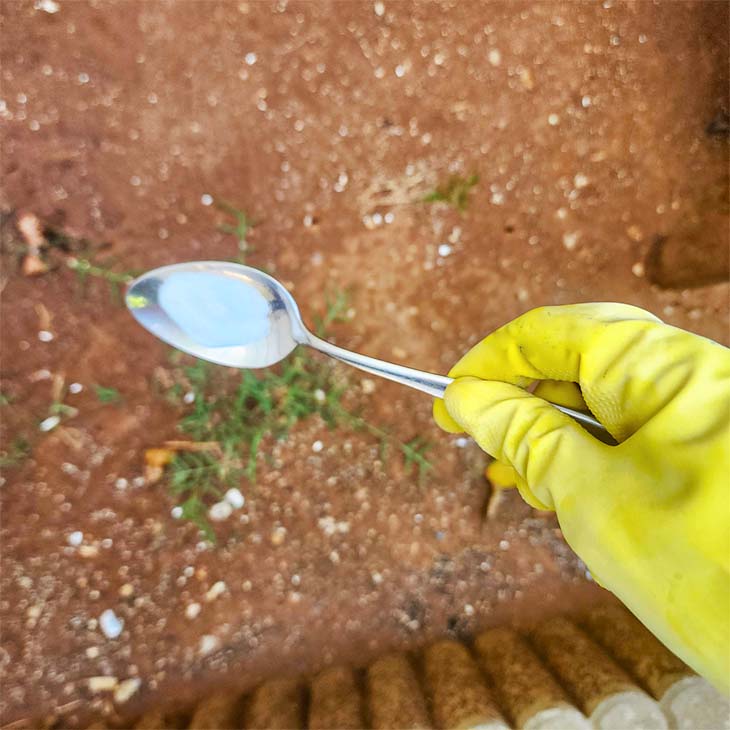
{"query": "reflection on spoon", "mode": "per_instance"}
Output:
(215, 310)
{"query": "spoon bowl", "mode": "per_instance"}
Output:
(206, 308)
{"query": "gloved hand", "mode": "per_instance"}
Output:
(649, 517)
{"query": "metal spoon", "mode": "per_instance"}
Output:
(269, 340)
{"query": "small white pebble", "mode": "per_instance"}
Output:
(234, 497)
(92, 652)
(192, 610)
(317, 446)
(469, 609)
(570, 240)
(45, 336)
(389, 217)
(461, 442)
(497, 198)
(638, 269)
(75, 538)
(126, 689)
(208, 643)
(121, 484)
(561, 213)
(586, 101)
(553, 120)
(206, 199)
(189, 397)
(296, 580)
(217, 589)
(176, 512)
(308, 220)
(580, 180)
(376, 578)
(250, 58)
(504, 544)
(368, 386)
(319, 395)
(494, 57)
(75, 388)
(49, 423)
(444, 249)
(400, 71)
(379, 9)
(101, 684)
(47, 6)
(220, 511)
(110, 625)
(377, 219)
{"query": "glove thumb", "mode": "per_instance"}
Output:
(547, 449)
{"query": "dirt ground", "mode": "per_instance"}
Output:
(587, 124)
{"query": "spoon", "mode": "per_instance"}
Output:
(239, 316)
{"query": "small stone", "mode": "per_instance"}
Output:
(635, 233)
(504, 544)
(176, 512)
(379, 9)
(101, 684)
(111, 626)
(75, 388)
(92, 652)
(638, 269)
(570, 240)
(208, 643)
(317, 446)
(217, 589)
(368, 386)
(75, 538)
(192, 610)
(121, 484)
(126, 689)
(469, 609)
(586, 101)
(250, 58)
(220, 511)
(234, 497)
(33, 265)
(580, 180)
(444, 249)
(45, 336)
(553, 120)
(47, 6)
(88, 551)
(319, 395)
(278, 535)
(494, 57)
(126, 590)
(189, 397)
(206, 199)
(526, 79)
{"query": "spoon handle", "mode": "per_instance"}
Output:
(429, 383)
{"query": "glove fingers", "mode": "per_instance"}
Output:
(545, 447)
(443, 419)
(581, 343)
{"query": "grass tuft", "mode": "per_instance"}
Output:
(242, 412)
(455, 192)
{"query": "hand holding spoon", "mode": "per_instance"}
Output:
(238, 316)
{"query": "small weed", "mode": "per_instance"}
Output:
(240, 411)
(16, 454)
(107, 395)
(454, 192)
(5, 400)
(336, 306)
(240, 226)
(85, 268)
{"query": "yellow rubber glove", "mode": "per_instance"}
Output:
(649, 517)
